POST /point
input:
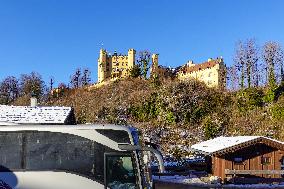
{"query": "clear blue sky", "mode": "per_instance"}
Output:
(54, 37)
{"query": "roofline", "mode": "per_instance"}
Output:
(259, 139)
(37, 106)
(16, 126)
(86, 131)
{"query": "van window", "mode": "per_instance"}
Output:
(52, 151)
(118, 136)
(10, 151)
(58, 151)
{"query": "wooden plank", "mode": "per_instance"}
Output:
(237, 180)
(252, 172)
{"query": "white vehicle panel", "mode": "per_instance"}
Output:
(48, 180)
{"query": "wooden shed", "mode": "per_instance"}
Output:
(244, 159)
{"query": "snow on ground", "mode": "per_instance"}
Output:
(262, 186)
(194, 180)
(191, 179)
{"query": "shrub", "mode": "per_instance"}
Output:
(249, 99)
(211, 129)
(277, 111)
(147, 110)
(214, 125)
(170, 118)
(269, 96)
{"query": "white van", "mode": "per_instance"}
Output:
(72, 157)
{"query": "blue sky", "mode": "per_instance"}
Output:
(54, 37)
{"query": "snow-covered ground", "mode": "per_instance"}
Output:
(194, 180)
(191, 179)
(170, 161)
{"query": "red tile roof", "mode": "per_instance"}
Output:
(202, 66)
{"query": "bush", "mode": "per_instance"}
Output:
(249, 99)
(211, 129)
(170, 118)
(277, 111)
(147, 110)
(214, 125)
(269, 96)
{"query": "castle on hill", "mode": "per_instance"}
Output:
(114, 66)
(212, 72)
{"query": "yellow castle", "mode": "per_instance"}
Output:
(212, 72)
(114, 66)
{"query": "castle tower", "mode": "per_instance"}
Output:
(102, 65)
(190, 63)
(155, 62)
(131, 58)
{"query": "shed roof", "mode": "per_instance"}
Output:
(36, 115)
(221, 145)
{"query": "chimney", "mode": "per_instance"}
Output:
(33, 101)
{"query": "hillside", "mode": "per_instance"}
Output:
(177, 114)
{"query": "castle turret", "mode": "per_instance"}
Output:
(155, 62)
(102, 65)
(190, 63)
(131, 58)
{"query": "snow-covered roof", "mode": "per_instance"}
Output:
(221, 143)
(35, 115)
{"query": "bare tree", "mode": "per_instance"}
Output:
(232, 78)
(272, 55)
(239, 60)
(32, 84)
(86, 79)
(9, 89)
(51, 83)
(251, 62)
(144, 59)
(246, 61)
(75, 79)
(235, 78)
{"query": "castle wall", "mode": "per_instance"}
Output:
(212, 73)
(209, 76)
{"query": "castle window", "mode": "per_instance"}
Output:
(122, 64)
(210, 74)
